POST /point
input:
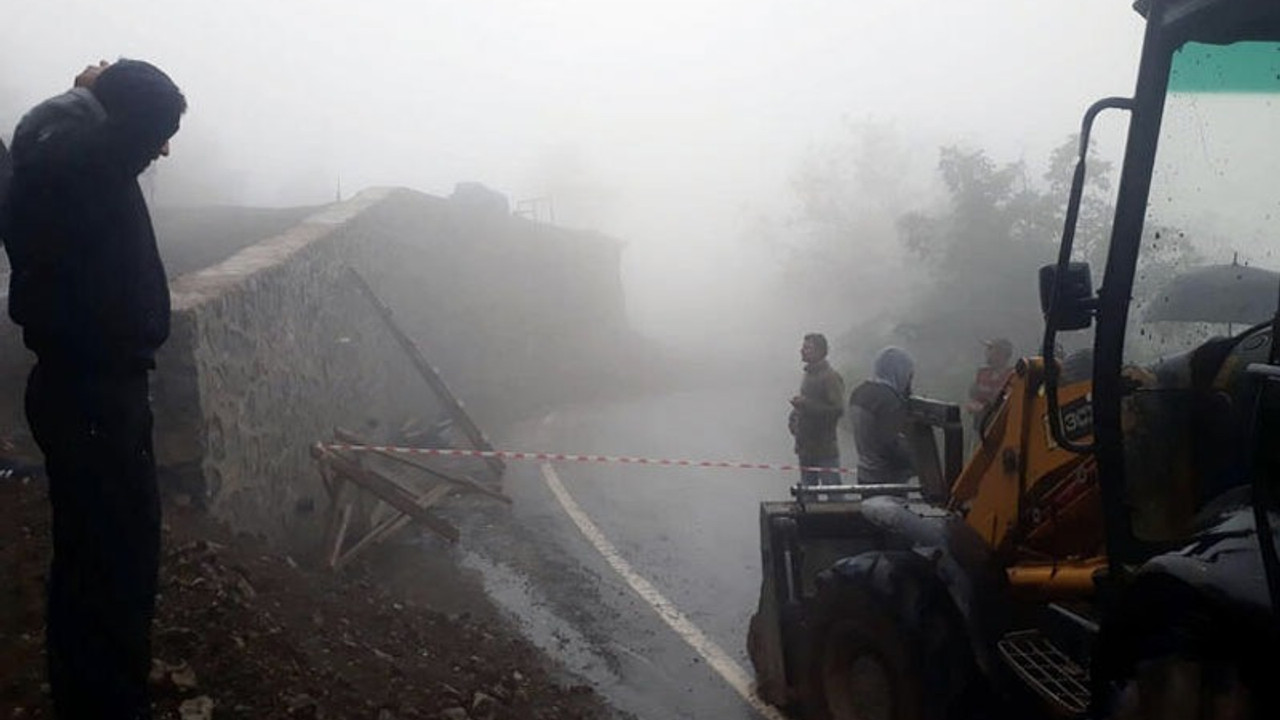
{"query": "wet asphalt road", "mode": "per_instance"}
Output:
(692, 533)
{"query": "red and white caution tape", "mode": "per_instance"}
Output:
(572, 457)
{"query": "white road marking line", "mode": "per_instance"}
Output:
(713, 654)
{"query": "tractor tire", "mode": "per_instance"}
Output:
(753, 639)
(1176, 653)
(766, 686)
(861, 665)
(771, 682)
(892, 651)
(1177, 688)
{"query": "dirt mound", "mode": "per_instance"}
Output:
(243, 632)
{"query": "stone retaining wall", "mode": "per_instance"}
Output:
(270, 350)
(274, 347)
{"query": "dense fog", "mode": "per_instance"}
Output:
(757, 159)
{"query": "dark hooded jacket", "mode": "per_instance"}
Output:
(878, 409)
(87, 284)
(6, 173)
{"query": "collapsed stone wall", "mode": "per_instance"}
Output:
(270, 351)
(274, 347)
(520, 316)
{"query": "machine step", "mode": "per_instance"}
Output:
(1051, 673)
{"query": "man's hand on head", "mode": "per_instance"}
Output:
(89, 75)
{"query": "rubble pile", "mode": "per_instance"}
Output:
(244, 632)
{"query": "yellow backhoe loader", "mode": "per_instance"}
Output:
(1110, 548)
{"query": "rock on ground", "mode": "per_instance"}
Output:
(243, 632)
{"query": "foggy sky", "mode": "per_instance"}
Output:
(669, 124)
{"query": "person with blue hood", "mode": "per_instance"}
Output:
(90, 292)
(878, 411)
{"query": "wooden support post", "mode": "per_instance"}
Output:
(328, 481)
(390, 525)
(340, 535)
(350, 438)
(393, 493)
(429, 373)
(333, 514)
(460, 480)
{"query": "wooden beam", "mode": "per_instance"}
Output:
(351, 438)
(390, 525)
(431, 374)
(324, 478)
(396, 495)
(332, 513)
(461, 480)
(344, 521)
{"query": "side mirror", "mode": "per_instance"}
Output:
(1074, 303)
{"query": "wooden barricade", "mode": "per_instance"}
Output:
(406, 489)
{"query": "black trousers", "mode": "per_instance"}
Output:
(95, 432)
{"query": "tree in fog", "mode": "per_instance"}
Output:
(842, 260)
(973, 255)
(982, 250)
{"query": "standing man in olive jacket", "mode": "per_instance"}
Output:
(815, 412)
(90, 293)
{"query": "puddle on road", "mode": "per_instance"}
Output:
(549, 632)
(631, 692)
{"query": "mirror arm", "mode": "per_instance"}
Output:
(1051, 369)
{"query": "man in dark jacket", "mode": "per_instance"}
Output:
(814, 413)
(6, 172)
(89, 290)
